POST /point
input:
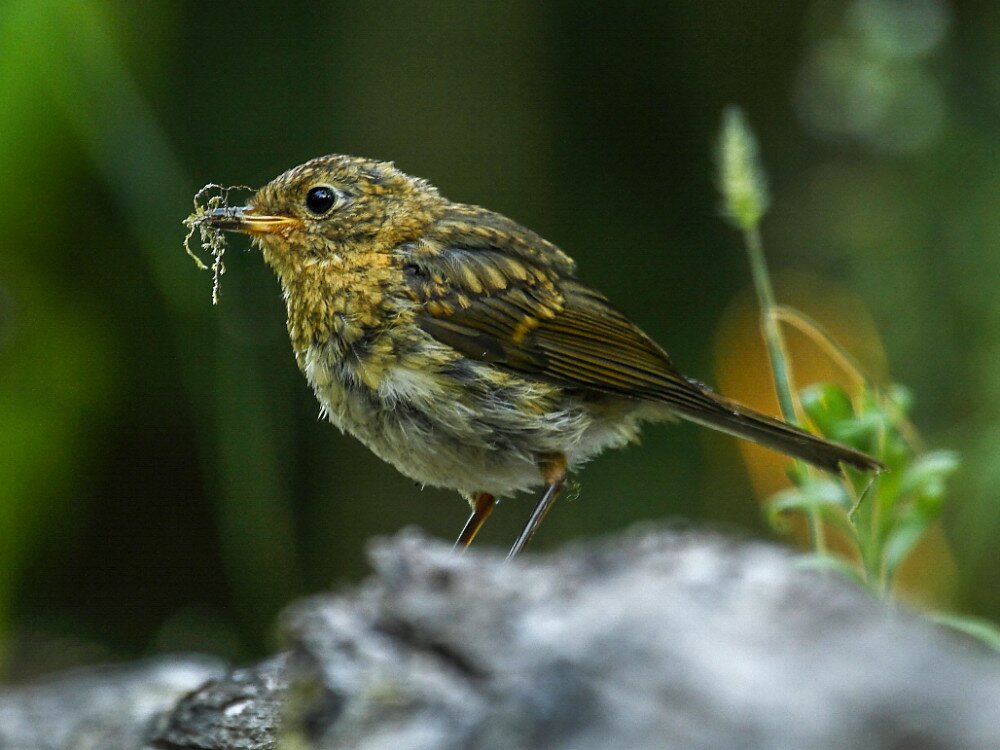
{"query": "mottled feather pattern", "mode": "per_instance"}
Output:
(460, 346)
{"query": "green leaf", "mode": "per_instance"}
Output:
(901, 540)
(827, 406)
(824, 563)
(798, 473)
(929, 469)
(825, 496)
(982, 630)
(901, 398)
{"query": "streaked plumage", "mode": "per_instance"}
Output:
(460, 346)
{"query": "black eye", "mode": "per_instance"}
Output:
(320, 199)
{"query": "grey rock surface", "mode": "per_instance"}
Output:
(240, 711)
(661, 639)
(653, 640)
(103, 708)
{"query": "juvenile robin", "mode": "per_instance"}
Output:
(460, 347)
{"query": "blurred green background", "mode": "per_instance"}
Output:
(165, 482)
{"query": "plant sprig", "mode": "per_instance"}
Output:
(212, 240)
(885, 516)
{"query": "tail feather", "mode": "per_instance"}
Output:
(743, 422)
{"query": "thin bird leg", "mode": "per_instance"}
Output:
(483, 504)
(553, 468)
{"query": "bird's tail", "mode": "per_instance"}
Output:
(720, 413)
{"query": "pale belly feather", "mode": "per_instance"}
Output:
(457, 428)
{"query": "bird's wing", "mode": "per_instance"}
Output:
(498, 293)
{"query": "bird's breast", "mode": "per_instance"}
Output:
(353, 310)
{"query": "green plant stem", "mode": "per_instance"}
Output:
(769, 323)
(872, 549)
(777, 353)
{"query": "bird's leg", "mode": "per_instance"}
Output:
(483, 504)
(553, 467)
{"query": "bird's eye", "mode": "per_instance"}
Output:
(320, 199)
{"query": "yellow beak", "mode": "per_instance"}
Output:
(245, 219)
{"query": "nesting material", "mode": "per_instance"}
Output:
(212, 239)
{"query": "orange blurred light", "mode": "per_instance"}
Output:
(743, 372)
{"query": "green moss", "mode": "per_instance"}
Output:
(212, 240)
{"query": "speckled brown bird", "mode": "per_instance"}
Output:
(460, 347)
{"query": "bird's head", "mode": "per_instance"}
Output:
(332, 206)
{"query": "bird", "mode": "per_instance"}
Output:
(461, 347)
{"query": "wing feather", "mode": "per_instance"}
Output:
(499, 293)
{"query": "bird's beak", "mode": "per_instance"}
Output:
(246, 219)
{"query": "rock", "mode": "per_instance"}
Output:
(657, 639)
(650, 640)
(101, 708)
(239, 712)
